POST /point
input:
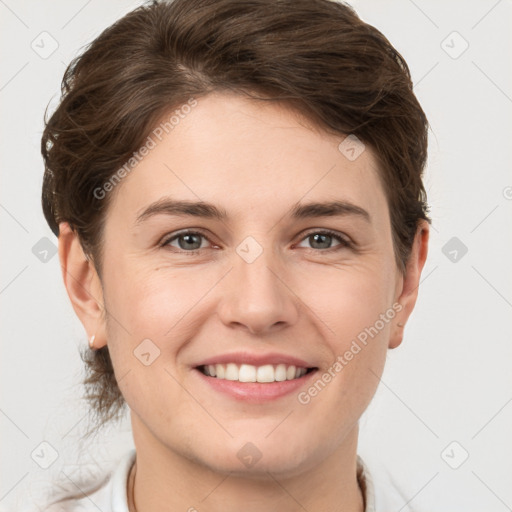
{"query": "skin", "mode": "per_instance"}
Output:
(299, 298)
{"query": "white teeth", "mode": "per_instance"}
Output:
(220, 371)
(247, 373)
(265, 373)
(231, 372)
(280, 372)
(250, 373)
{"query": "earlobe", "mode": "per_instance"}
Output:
(411, 280)
(82, 285)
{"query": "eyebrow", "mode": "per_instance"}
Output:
(329, 209)
(201, 209)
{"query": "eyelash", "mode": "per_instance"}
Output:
(343, 242)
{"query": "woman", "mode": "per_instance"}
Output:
(236, 189)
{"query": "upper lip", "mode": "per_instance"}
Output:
(273, 358)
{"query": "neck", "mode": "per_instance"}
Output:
(164, 480)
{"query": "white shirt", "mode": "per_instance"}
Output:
(111, 496)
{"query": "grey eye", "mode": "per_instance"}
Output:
(187, 241)
(323, 240)
(320, 241)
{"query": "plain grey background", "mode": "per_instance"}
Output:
(440, 422)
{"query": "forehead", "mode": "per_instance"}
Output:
(250, 157)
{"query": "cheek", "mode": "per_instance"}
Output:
(150, 320)
(357, 314)
(355, 309)
(152, 303)
(348, 299)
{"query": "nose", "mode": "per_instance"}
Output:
(257, 298)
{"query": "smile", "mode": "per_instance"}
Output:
(249, 373)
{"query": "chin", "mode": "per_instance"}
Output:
(244, 458)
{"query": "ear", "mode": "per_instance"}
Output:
(408, 293)
(82, 284)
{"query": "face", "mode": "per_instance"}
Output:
(259, 285)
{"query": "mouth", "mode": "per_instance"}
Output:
(245, 373)
(254, 378)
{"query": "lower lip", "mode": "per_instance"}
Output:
(256, 392)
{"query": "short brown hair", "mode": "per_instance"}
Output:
(316, 55)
